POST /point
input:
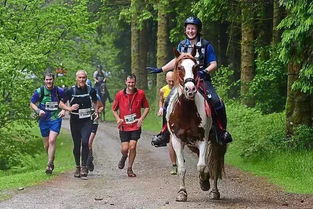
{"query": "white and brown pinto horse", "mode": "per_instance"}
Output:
(189, 122)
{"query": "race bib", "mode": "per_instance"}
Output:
(52, 106)
(129, 119)
(84, 113)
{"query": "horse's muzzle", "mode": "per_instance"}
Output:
(190, 90)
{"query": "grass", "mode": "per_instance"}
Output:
(63, 162)
(291, 170)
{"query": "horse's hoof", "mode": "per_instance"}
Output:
(182, 196)
(205, 185)
(214, 195)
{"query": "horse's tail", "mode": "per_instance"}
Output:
(215, 157)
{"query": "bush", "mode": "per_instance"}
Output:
(256, 136)
(270, 73)
(224, 84)
(17, 146)
(302, 138)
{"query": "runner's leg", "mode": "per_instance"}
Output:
(76, 136)
(52, 146)
(132, 152)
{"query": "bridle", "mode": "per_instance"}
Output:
(179, 69)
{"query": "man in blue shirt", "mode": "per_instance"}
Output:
(45, 102)
(207, 61)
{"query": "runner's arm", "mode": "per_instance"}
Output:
(36, 109)
(63, 106)
(161, 103)
(119, 121)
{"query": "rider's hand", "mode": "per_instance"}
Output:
(154, 69)
(202, 74)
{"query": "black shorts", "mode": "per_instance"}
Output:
(94, 128)
(126, 136)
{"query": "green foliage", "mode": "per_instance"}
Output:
(32, 171)
(270, 73)
(253, 132)
(297, 41)
(223, 82)
(302, 139)
(259, 137)
(18, 146)
(217, 10)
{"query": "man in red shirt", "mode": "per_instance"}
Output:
(127, 112)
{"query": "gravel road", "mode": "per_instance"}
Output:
(154, 187)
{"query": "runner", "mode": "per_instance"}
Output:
(94, 128)
(45, 102)
(81, 98)
(127, 112)
(164, 92)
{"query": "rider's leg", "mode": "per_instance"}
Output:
(164, 136)
(219, 113)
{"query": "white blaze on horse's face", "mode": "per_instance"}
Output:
(190, 89)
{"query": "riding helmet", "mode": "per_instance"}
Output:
(195, 21)
(99, 67)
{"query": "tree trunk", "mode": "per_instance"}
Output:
(277, 16)
(162, 43)
(135, 63)
(247, 55)
(298, 104)
(143, 44)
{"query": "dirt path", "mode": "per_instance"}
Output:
(154, 187)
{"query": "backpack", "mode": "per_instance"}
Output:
(42, 93)
(74, 93)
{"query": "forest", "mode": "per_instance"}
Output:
(264, 50)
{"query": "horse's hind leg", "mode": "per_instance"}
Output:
(216, 162)
(202, 166)
(178, 147)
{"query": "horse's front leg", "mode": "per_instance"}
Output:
(215, 194)
(202, 166)
(178, 147)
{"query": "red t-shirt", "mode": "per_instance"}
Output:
(129, 106)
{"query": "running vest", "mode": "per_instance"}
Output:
(49, 105)
(84, 101)
(201, 47)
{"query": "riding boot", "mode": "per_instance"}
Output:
(223, 135)
(161, 139)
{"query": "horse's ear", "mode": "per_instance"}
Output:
(176, 53)
(196, 67)
(194, 51)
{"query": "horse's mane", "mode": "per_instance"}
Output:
(177, 72)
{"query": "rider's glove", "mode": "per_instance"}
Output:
(154, 69)
(202, 74)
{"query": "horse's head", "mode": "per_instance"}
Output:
(185, 72)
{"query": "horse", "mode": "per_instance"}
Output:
(104, 95)
(189, 122)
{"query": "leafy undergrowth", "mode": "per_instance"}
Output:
(33, 171)
(259, 147)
